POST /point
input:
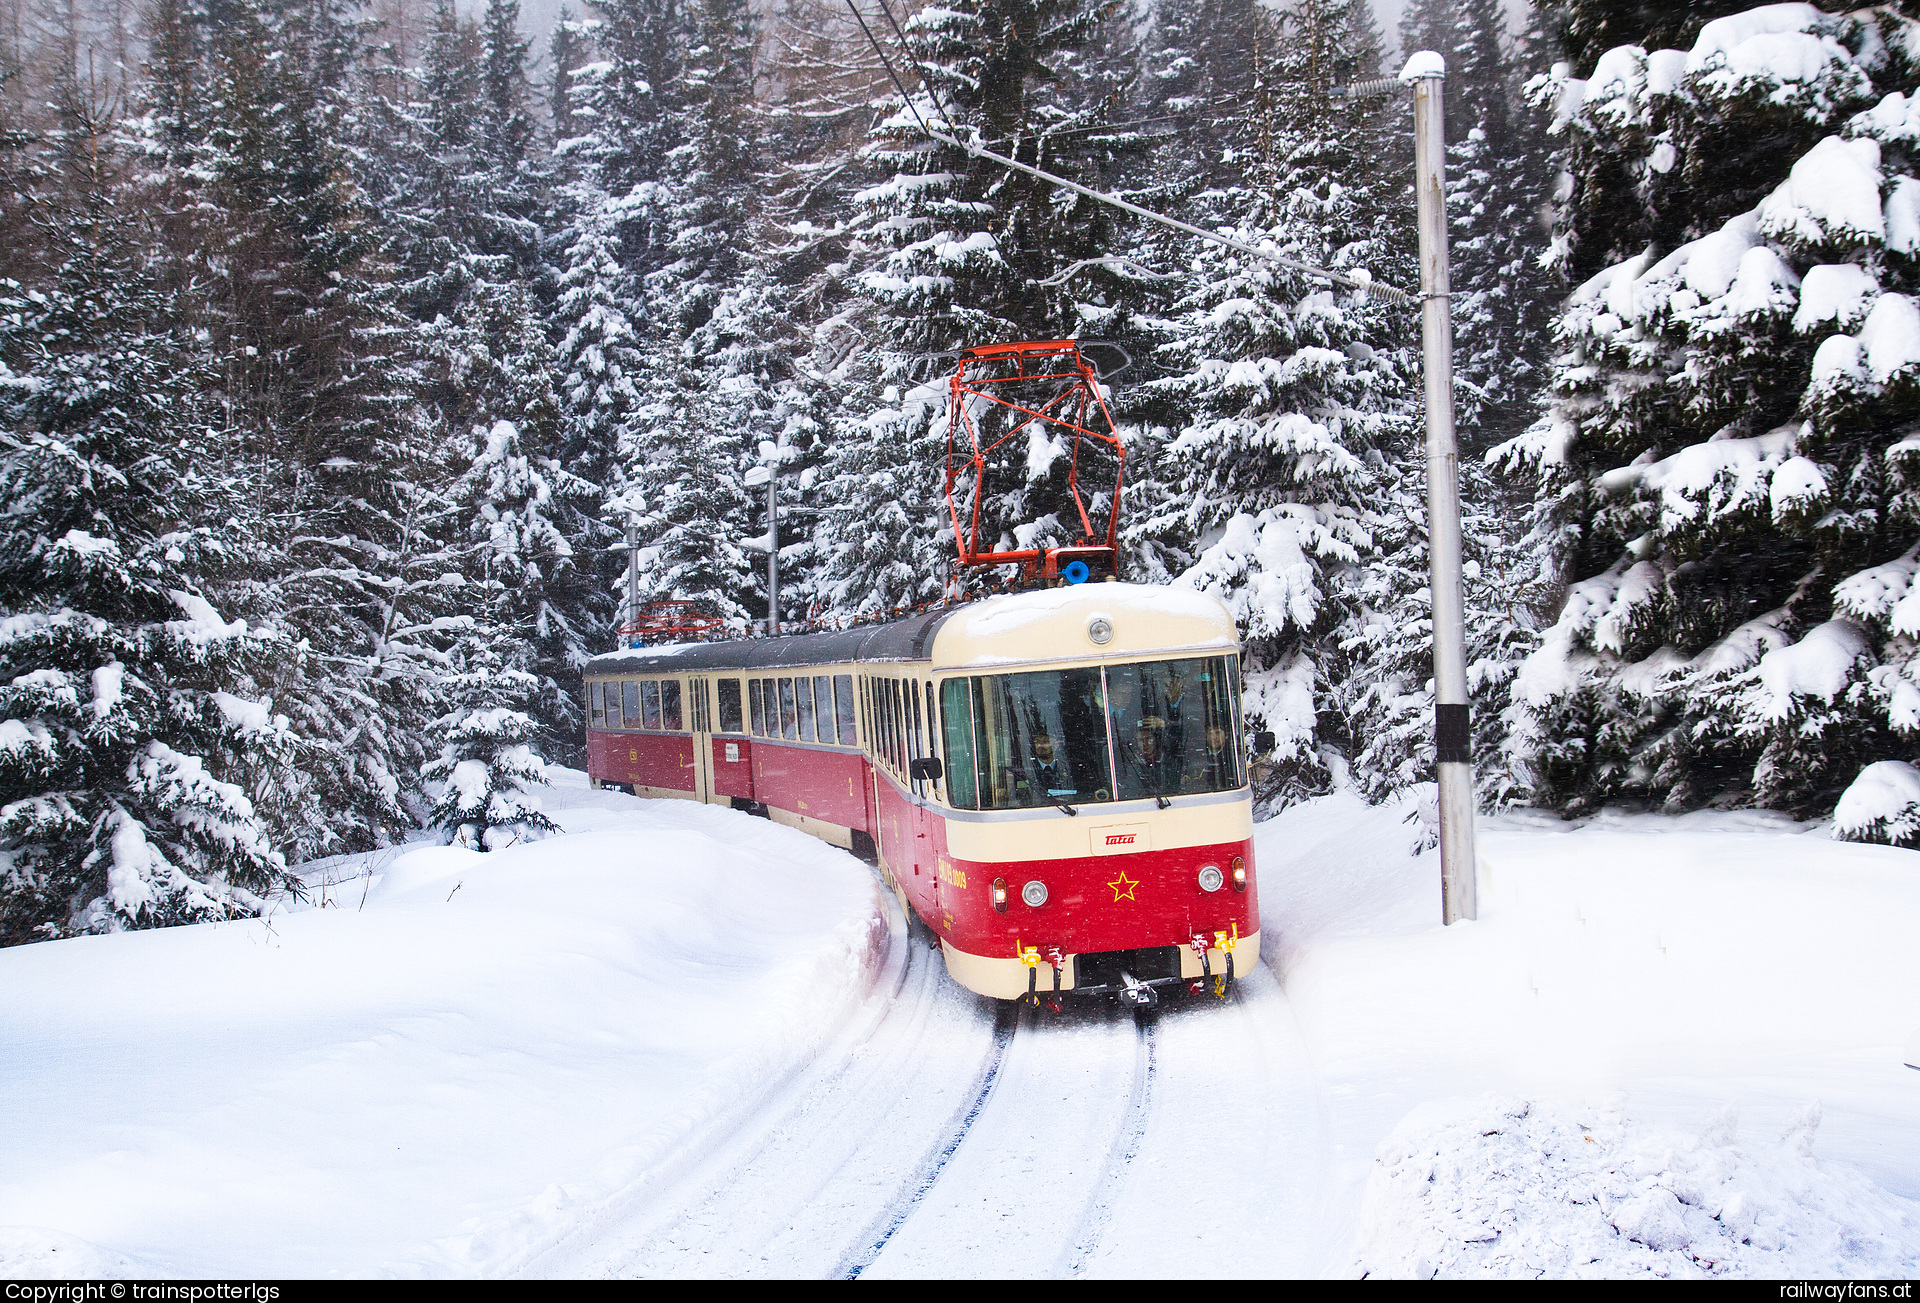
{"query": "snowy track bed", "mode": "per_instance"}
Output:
(791, 1192)
(962, 1140)
(1024, 1192)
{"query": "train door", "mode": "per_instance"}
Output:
(700, 724)
(872, 792)
(915, 727)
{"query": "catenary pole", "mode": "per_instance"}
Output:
(633, 574)
(1453, 739)
(773, 548)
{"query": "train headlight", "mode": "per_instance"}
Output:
(1211, 879)
(1034, 893)
(1239, 874)
(1000, 894)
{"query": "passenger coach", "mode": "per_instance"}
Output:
(1054, 782)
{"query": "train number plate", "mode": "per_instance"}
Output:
(733, 753)
(1119, 838)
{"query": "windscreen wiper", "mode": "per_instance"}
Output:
(1062, 804)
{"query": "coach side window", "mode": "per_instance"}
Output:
(630, 703)
(957, 714)
(803, 692)
(789, 721)
(843, 709)
(597, 703)
(670, 705)
(650, 703)
(899, 725)
(933, 725)
(759, 710)
(729, 705)
(823, 708)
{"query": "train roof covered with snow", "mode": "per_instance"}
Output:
(1086, 622)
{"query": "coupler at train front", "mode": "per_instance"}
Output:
(1208, 961)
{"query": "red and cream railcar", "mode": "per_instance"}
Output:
(1054, 781)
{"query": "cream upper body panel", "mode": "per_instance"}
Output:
(1141, 622)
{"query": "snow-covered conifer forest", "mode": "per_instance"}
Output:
(342, 344)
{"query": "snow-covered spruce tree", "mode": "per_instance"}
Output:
(1588, 28)
(466, 206)
(1498, 182)
(607, 241)
(708, 376)
(487, 762)
(273, 253)
(1202, 67)
(1725, 466)
(130, 729)
(1293, 423)
(953, 253)
(518, 560)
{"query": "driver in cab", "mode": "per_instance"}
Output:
(1045, 779)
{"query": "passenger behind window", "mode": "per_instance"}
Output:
(1215, 768)
(1149, 770)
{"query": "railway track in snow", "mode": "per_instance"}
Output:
(871, 1245)
(948, 1135)
(1026, 1185)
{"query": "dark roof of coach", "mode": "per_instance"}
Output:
(902, 640)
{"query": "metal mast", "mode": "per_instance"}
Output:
(633, 573)
(773, 549)
(1453, 739)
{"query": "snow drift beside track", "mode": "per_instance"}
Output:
(1658, 973)
(421, 1083)
(1515, 1189)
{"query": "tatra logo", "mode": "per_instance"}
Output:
(1121, 838)
(1123, 886)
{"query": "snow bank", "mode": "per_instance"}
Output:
(429, 1068)
(38, 1253)
(1513, 1188)
(1678, 965)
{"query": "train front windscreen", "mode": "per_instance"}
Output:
(1070, 737)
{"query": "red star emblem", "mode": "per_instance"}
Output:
(1123, 887)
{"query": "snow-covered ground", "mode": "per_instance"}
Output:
(1721, 1001)
(681, 1041)
(460, 1042)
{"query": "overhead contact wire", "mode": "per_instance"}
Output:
(1392, 293)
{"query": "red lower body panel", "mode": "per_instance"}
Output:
(818, 783)
(643, 759)
(1100, 902)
